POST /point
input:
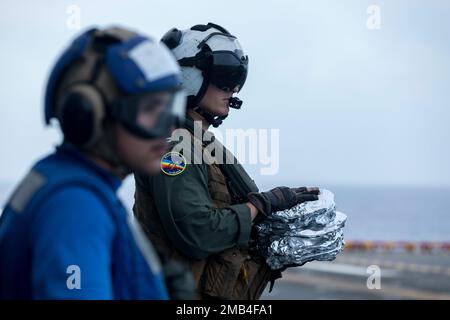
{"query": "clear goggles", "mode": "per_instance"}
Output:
(151, 115)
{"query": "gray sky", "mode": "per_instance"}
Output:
(353, 105)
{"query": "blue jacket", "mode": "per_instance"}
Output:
(64, 234)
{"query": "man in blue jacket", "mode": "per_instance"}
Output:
(64, 234)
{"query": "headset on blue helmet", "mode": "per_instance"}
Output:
(95, 77)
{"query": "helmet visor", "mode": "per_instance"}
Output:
(228, 70)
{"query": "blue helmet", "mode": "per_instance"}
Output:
(106, 73)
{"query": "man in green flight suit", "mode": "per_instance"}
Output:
(202, 212)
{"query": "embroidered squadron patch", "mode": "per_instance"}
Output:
(173, 163)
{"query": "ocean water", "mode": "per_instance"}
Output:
(374, 213)
(395, 213)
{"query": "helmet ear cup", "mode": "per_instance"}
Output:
(80, 111)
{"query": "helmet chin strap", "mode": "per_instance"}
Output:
(214, 120)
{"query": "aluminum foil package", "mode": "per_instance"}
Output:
(309, 231)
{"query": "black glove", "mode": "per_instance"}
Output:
(281, 198)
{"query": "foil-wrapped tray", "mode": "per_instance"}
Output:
(309, 231)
